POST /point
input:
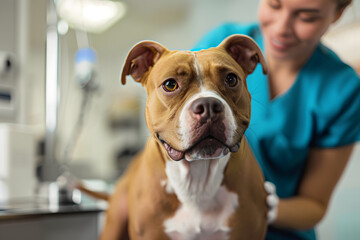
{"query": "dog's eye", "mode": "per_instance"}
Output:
(231, 80)
(170, 85)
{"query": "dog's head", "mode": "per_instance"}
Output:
(198, 105)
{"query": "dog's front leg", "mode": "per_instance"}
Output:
(117, 215)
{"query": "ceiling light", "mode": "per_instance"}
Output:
(91, 15)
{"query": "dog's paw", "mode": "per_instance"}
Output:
(272, 201)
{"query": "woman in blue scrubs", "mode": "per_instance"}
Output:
(305, 112)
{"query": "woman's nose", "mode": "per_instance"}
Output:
(284, 24)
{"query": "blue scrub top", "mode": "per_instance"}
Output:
(320, 110)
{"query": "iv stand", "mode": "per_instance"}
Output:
(51, 169)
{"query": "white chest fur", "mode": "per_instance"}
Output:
(205, 205)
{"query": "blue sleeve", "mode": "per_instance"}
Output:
(342, 110)
(218, 34)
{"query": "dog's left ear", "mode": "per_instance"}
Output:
(245, 51)
(140, 59)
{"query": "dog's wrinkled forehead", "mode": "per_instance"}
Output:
(201, 68)
(213, 62)
(175, 64)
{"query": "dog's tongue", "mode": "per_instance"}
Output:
(174, 154)
(208, 148)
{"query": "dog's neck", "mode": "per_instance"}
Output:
(195, 182)
(205, 204)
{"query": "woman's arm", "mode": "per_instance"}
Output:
(323, 170)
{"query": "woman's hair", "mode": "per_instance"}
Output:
(343, 3)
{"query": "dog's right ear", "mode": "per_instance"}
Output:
(140, 59)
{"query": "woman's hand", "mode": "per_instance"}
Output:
(272, 201)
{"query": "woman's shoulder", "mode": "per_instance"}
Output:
(238, 28)
(215, 36)
(335, 98)
(330, 71)
(326, 59)
(328, 83)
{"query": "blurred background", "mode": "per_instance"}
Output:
(82, 117)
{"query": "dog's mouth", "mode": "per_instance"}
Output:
(206, 148)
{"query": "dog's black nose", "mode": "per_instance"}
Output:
(207, 108)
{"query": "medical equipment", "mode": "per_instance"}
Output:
(6, 63)
(17, 162)
(8, 87)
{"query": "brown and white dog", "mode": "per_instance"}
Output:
(196, 177)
